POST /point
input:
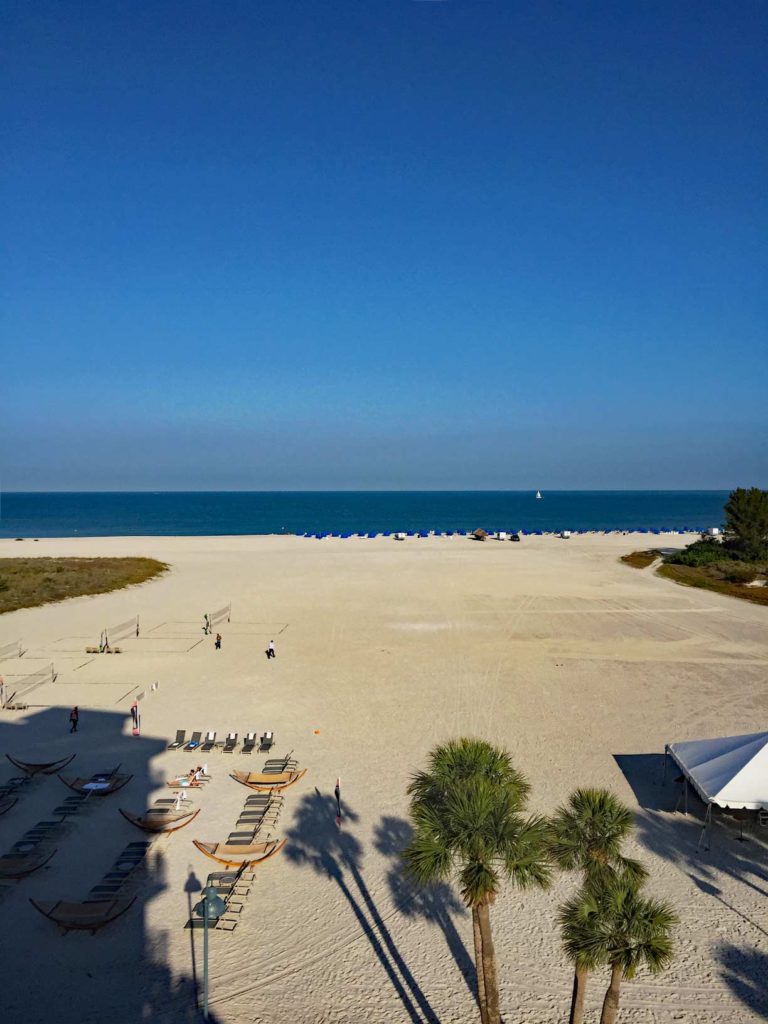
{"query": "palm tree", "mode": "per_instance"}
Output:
(639, 934)
(576, 917)
(467, 818)
(616, 925)
(587, 835)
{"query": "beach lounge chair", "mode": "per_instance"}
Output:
(263, 782)
(181, 735)
(231, 743)
(266, 742)
(20, 865)
(45, 767)
(7, 802)
(235, 855)
(194, 741)
(88, 916)
(248, 743)
(161, 820)
(210, 741)
(98, 784)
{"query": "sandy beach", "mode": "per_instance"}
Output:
(582, 667)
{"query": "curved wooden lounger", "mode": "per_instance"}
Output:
(89, 917)
(6, 803)
(46, 767)
(115, 783)
(20, 867)
(264, 783)
(234, 856)
(157, 823)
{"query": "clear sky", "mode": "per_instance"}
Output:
(290, 245)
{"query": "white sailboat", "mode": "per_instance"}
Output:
(538, 495)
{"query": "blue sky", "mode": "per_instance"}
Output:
(387, 245)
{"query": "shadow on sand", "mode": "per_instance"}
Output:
(316, 841)
(122, 972)
(436, 904)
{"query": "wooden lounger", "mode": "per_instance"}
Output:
(7, 802)
(89, 916)
(25, 864)
(160, 821)
(45, 767)
(237, 855)
(263, 782)
(106, 786)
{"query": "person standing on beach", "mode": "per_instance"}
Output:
(271, 649)
(217, 644)
(74, 718)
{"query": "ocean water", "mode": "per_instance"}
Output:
(258, 512)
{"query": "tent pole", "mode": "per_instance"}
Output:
(705, 829)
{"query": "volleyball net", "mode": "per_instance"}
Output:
(11, 650)
(13, 692)
(211, 619)
(113, 634)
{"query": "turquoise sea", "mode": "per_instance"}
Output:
(207, 513)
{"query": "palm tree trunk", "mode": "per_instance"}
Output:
(579, 992)
(611, 1001)
(489, 965)
(479, 966)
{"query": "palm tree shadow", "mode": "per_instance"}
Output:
(434, 903)
(316, 841)
(745, 972)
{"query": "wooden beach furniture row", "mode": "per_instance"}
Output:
(208, 742)
(234, 888)
(106, 901)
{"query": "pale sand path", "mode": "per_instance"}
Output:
(552, 648)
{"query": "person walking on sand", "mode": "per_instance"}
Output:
(74, 718)
(271, 649)
(217, 644)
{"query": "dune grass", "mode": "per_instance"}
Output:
(29, 582)
(707, 579)
(640, 559)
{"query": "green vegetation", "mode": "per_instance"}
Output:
(729, 565)
(468, 816)
(746, 520)
(714, 577)
(640, 559)
(28, 582)
(467, 812)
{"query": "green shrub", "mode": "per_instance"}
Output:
(702, 552)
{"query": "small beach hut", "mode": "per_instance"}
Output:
(479, 534)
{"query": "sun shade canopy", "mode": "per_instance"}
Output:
(730, 771)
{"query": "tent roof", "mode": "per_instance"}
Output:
(730, 771)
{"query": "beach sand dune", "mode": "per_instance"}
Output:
(582, 667)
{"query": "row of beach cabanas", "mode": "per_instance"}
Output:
(497, 533)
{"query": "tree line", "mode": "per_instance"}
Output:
(468, 814)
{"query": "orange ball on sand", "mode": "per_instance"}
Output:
(317, 732)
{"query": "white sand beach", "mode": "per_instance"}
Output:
(582, 667)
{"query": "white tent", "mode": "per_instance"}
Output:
(731, 771)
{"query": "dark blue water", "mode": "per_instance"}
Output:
(250, 512)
